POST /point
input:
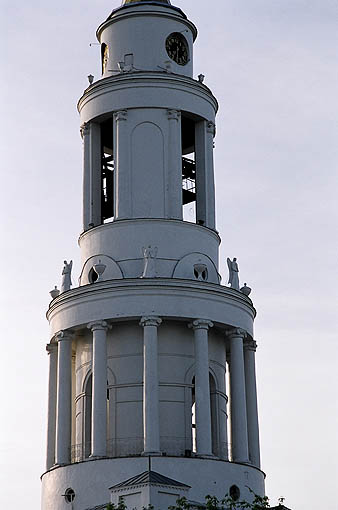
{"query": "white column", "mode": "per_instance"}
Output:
(95, 174)
(173, 205)
(205, 185)
(251, 403)
(202, 387)
(64, 398)
(99, 389)
(85, 132)
(122, 151)
(151, 419)
(52, 350)
(239, 428)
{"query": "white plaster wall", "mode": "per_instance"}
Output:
(124, 240)
(142, 31)
(92, 479)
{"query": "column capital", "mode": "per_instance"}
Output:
(95, 325)
(211, 128)
(84, 129)
(201, 324)
(51, 348)
(64, 335)
(250, 345)
(150, 321)
(174, 114)
(121, 115)
(236, 333)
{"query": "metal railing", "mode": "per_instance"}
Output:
(133, 446)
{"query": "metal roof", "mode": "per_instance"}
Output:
(149, 477)
(126, 2)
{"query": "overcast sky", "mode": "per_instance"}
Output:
(272, 64)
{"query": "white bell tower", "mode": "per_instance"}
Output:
(142, 352)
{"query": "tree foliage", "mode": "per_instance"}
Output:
(213, 503)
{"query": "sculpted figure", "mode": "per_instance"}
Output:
(233, 273)
(66, 281)
(149, 256)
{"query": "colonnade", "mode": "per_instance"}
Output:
(124, 124)
(243, 396)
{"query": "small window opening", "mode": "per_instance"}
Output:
(93, 276)
(234, 492)
(201, 272)
(69, 495)
(188, 169)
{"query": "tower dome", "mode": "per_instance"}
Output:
(126, 2)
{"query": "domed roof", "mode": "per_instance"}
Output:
(126, 2)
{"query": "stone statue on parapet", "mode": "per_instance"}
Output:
(149, 257)
(233, 273)
(66, 281)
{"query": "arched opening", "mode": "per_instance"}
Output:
(87, 428)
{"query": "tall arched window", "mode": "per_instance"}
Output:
(213, 417)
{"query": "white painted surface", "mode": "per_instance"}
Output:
(91, 479)
(130, 391)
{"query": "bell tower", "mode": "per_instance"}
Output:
(152, 385)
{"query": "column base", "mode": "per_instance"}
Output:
(96, 457)
(206, 456)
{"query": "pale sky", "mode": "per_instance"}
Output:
(272, 64)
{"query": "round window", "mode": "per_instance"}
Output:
(234, 492)
(69, 495)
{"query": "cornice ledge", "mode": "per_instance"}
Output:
(165, 284)
(143, 76)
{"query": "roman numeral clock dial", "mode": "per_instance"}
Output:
(177, 48)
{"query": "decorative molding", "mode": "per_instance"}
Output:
(211, 128)
(51, 348)
(201, 324)
(174, 114)
(98, 325)
(63, 335)
(121, 115)
(250, 345)
(85, 129)
(150, 321)
(236, 333)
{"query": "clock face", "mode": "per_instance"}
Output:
(177, 48)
